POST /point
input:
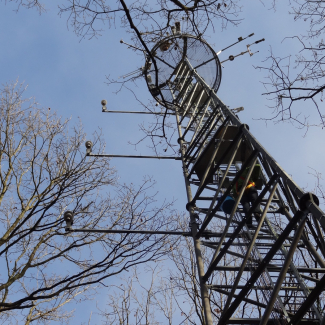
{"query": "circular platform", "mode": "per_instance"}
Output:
(171, 55)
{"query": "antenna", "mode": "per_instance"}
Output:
(131, 46)
(232, 57)
(240, 39)
(138, 71)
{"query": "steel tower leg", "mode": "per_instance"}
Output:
(194, 229)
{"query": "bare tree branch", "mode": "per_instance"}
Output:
(44, 172)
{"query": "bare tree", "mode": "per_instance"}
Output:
(142, 298)
(319, 187)
(44, 172)
(88, 18)
(296, 82)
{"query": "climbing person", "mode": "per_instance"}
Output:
(250, 194)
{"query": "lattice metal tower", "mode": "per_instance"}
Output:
(272, 270)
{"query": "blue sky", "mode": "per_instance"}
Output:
(68, 75)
